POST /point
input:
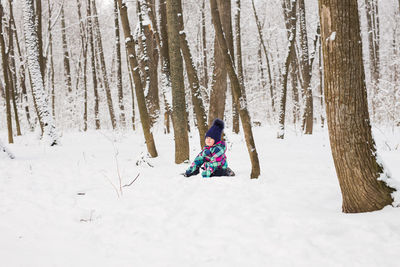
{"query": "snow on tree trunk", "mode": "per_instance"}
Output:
(32, 48)
(4, 149)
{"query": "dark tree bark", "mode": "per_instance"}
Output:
(51, 63)
(133, 62)
(38, 21)
(204, 79)
(353, 148)
(7, 86)
(178, 89)
(237, 92)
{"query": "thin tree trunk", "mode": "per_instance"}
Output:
(308, 115)
(237, 92)
(353, 148)
(93, 63)
(38, 21)
(39, 93)
(198, 106)
(133, 62)
(12, 70)
(132, 92)
(371, 10)
(7, 85)
(290, 24)
(178, 89)
(51, 64)
(99, 42)
(204, 79)
(321, 82)
(165, 66)
(119, 67)
(260, 35)
(235, 115)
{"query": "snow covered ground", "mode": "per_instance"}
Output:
(63, 206)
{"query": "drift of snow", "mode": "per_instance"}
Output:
(67, 206)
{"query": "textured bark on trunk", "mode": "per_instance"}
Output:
(133, 62)
(99, 42)
(38, 91)
(239, 64)
(119, 67)
(178, 89)
(38, 21)
(290, 24)
(308, 115)
(353, 148)
(6, 78)
(237, 92)
(219, 79)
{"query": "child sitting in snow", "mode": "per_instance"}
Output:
(212, 158)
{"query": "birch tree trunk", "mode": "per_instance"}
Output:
(40, 94)
(99, 42)
(353, 148)
(178, 88)
(133, 62)
(237, 92)
(7, 86)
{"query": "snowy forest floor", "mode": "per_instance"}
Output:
(60, 206)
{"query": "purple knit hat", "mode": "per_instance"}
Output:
(215, 130)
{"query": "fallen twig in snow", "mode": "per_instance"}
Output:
(8, 152)
(132, 181)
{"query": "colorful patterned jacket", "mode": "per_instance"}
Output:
(212, 157)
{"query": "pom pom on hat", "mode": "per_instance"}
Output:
(215, 130)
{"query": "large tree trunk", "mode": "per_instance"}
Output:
(290, 24)
(99, 43)
(353, 148)
(306, 71)
(237, 92)
(119, 67)
(194, 84)
(178, 88)
(40, 94)
(219, 82)
(133, 62)
(7, 85)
